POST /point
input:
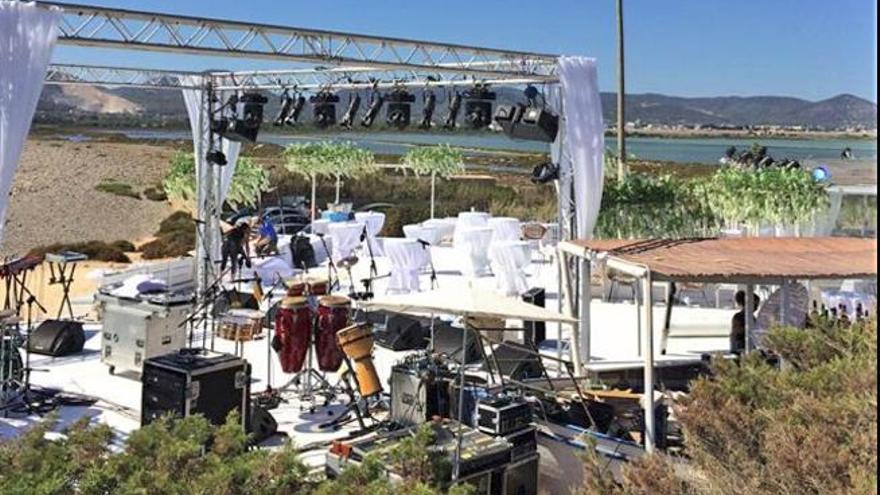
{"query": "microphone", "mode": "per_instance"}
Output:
(423, 243)
(319, 234)
(364, 234)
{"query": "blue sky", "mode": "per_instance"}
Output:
(812, 49)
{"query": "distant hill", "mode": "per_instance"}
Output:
(138, 106)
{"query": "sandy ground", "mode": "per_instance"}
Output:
(54, 197)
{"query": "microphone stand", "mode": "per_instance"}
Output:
(374, 272)
(268, 297)
(331, 267)
(425, 246)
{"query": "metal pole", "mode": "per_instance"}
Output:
(584, 330)
(749, 311)
(649, 361)
(433, 180)
(621, 117)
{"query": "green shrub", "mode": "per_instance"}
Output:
(809, 427)
(248, 181)
(155, 193)
(95, 250)
(118, 188)
(176, 237)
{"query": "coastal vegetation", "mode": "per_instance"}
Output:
(95, 250)
(806, 426)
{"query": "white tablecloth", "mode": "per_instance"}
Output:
(505, 229)
(509, 262)
(346, 237)
(407, 257)
(374, 221)
(420, 231)
(445, 227)
(321, 254)
(320, 226)
(269, 269)
(472, 250)
(469, 220)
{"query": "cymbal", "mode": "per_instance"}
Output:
(348, 262)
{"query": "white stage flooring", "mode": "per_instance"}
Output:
(614, 339)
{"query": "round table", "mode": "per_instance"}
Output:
(429, 234)
(407, 257)
(320, 226)
(505, 229)
(374, 221)
(445, 227)
(345, 236)
(509, 262)
(472, 249)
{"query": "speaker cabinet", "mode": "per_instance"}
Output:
(57, 338)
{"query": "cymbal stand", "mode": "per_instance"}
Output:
(30, 301)
(374, 272)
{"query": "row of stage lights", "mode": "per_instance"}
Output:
(240, 117)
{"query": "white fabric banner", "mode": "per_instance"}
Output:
(27, 36)
(584, 138)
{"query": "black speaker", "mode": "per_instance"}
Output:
(195, 381)
(262, 424)
(302, 253)
(515, 361)
(57, 338)
(536, 331)
(517, 478)
(403, 333)
(447, 341)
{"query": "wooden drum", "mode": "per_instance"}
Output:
(241, 325)
(356, 342)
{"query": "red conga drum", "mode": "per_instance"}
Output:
(293, 326)
(333, 316)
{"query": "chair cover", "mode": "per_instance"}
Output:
(407, 258)
(268, 269)
(471, 247)
(505, 229)
(509, 262)
(374, 221)
(346, 238)
(469, 219)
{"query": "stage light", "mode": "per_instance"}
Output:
(452, 114)
(478, 106)
(397, 112)
(324, 109)
(527, 122)
(240, 117)
(376, 100)
(216, 157)
(531, 93)
(284, 111)
(544, 173)
(298, 104)
(354, 103)
(429, 102)
(821, 173)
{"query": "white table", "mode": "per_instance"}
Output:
(374, 221)
(468, 220)
(505, 229)
(429, 234)
(445, 227)
(472, 250)
(509, 262)
(346, 237)
(321, 226)
(268, 269)
(321, 254)
(408, 257)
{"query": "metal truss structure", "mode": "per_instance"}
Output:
(118, 76)
(101, 27)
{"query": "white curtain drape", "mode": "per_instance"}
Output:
(584, 142)
(27, 36)
(195, 107)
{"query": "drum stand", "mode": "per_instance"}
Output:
(353, 403)
(309, 382)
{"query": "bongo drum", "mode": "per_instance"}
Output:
(356, 342)
(333, 316)
(293, 327)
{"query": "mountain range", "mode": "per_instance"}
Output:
(138, 106)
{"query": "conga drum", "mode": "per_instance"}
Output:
(333, 316)
(293, 327)
(318, 286)
(295, 287)
(356, 342)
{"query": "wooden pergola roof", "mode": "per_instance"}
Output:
(741, 260)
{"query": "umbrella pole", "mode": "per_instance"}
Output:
(457, 466)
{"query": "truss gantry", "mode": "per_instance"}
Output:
(102, 27)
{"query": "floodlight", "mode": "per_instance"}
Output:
(398, 108)
(324, 109)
